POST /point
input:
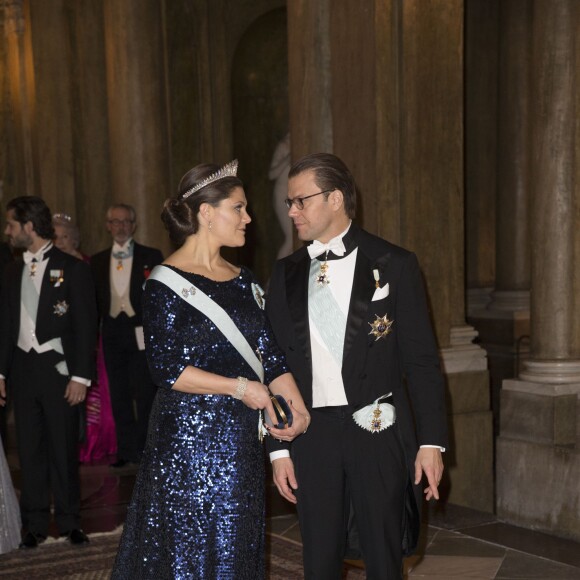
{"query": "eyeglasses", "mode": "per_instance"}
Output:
(299, 201)
(117, 223)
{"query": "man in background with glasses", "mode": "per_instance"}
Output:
(350, 314)
(119, 273)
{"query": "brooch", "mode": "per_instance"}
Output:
(146, 272)
(56, 277)
(259, 295)
(61, 308)
(380, 327)
(188, 292)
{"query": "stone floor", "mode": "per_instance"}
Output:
(456, 542)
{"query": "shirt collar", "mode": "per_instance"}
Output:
(122, 248)
(39, 255)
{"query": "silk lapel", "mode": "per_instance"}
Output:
(297, 292)
(16, 294)
(363, 288)
(136, 275)
(44, 303)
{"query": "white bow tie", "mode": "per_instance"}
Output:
(336, 246)
(28, 256)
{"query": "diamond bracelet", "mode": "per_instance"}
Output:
(241, 388)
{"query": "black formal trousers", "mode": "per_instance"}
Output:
(47, 428)
(337, 464)
(131, 388)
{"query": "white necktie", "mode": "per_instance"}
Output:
(336, 246)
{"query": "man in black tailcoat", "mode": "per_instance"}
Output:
(119, 273)
(47, 356)
(350, 314)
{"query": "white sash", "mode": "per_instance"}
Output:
(202, 302)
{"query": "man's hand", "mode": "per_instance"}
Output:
(2, 392)
(430, 461)
(75, 393)
(284, 478)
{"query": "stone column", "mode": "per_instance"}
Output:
(309, 76)
(90, 129)
(22, 162)
(504, 324)
(138, 125)
(512, 282)
(53, 80)
(481, 65)
(539, 444)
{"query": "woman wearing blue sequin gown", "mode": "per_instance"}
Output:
(197, 510)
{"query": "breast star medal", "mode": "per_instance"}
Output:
(380, 327)
(61, 308)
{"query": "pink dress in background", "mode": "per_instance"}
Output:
(100, 436)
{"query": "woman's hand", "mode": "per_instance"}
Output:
(257, 396)
(300, 424)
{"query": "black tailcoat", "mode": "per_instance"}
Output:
(144, 260)
(47, 426)
(77, 327)
(404, 362)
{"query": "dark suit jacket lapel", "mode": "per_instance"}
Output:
(136, 274)
(16, 299)
(363, 288)
(44, 303)
(297, 288)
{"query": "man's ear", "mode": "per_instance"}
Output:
(336, 199)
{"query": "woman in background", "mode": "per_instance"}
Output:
(100, 439)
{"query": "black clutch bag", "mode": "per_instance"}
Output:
(284, 416)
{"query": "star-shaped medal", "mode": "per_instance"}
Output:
(61, 308)
(322, 278)
(380, 327)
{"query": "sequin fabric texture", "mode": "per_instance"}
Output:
(197, 510)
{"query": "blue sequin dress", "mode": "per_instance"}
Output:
(197, 510)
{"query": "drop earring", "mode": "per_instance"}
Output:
(209, 226)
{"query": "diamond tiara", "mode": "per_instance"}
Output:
(228, 170)
(62, 216)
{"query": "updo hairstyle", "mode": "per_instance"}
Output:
(65, 220)
(179, 215)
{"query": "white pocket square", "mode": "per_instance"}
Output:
(381, 293)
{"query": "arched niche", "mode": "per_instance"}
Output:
(260, 120)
